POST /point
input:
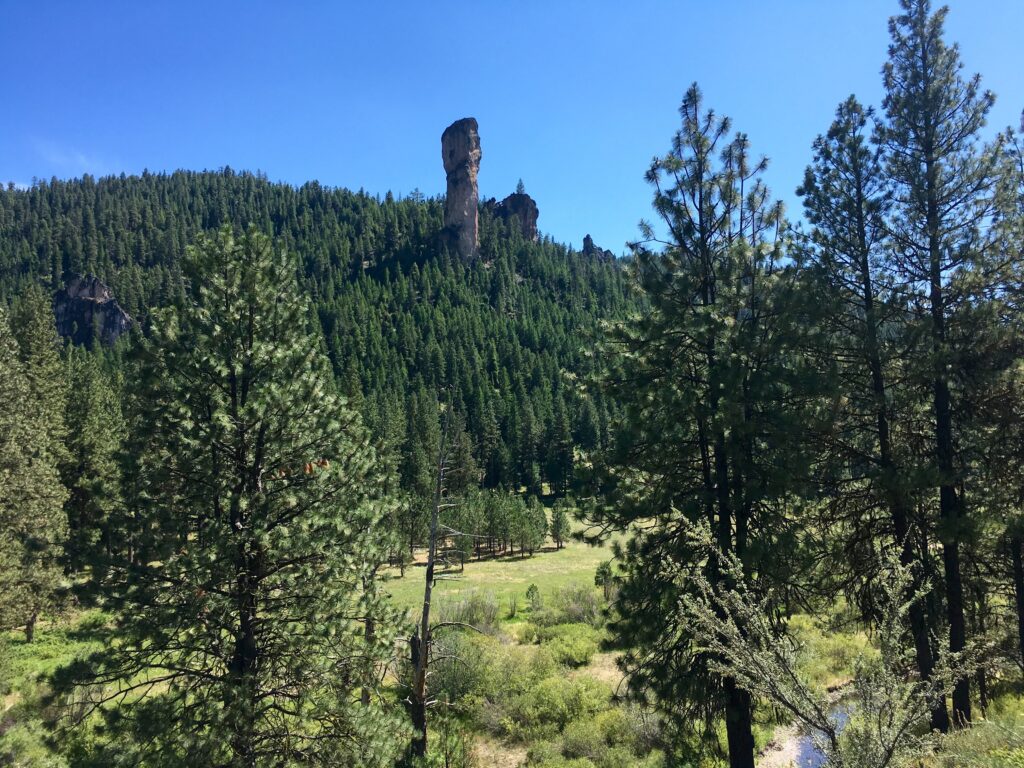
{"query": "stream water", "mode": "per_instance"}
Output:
(808, 754)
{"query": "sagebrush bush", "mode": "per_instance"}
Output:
(995, 742)
(461, 668)
(555, 702)
(479, 609)
(571, 644)
(583, 738)
(572, 605)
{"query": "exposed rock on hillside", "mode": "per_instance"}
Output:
(589, 249)
(460, 151)
(519, 208)
(85, 310)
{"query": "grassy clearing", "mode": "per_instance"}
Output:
(505, 577)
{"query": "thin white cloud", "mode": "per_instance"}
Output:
(68, 161)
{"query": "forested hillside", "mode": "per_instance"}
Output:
(402, 317)
(342, 481)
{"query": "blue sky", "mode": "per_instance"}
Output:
(572, 97)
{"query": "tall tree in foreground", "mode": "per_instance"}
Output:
(944, 184)
(251, 630)
(32, 518)
(711, 385)
(844, 193)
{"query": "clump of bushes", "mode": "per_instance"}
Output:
(546, 708)
(607, 740)
(995, 742)
(828, 657)
(571, 644)
(479, 609)
(572, 605)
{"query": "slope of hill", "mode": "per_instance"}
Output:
(402, 315)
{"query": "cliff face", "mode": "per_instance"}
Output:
(594, 251)
(460, 151)
(520, 209)
(86, 312)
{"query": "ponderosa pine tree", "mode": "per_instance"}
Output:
(536, 528)
(845, 198)
(250, 629)
(944, 185)
(560, 449)
(711, 386)
(31, 494)
(39, 348)
(93, 474)
(560, 525)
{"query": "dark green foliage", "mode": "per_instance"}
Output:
(248, 619)
(716, 396)
(402, 319)
(32, 518)
(92, 474)
(948, 263)
(561, 526)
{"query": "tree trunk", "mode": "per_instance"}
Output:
(948, 511)
(243, 665)
(739, 726)
(421, 644)
(898, 508)
(30, 626)
(1017, 551)
(949, 502)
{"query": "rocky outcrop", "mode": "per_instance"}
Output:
(460, 151)
(519, 209)
(589, 249)
(86, 311)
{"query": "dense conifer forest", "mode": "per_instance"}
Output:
(342, 484)
(401, 316)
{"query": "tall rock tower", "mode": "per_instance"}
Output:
(460, 150)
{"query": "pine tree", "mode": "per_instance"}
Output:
(31, 494)
(93, 475)
(561, 527)
(251, 629)
(944, 185)
(536, 526)
(845, 199)
(39, 348)
(560, 449)
(715, 398)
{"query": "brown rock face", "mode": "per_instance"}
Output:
(86, 312)
(589, 249)
(460, 150)
(521, 209)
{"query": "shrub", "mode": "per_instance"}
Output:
(571, 644)
(617, 728)
(461, 669)
(533, 598)
(561, 762)
(554, 631)
(478, 609)
(544, 753)
(557, 701)
(527, 633)
(583, 739)
(573, 605)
